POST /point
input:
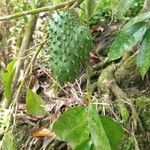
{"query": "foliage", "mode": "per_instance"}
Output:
(143, 58)
(93, 132)
(124, 6)
(89, 9)
(132, 33)
(8, 141)
(16, 30)
(83, 128)
(105, 12)
(35, 104)
(8, 79)
(135, 9)
(112, 11)
(127, 39)
(143, 105)
(129, 8)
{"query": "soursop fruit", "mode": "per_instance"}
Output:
(69, 44)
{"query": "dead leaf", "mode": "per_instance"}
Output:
(97, 28)
(42, 132)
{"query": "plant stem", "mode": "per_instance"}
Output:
(39, 10)
(22, 51)
(27, 72)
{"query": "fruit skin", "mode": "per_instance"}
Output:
(69, 43)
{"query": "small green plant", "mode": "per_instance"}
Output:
(84, 129)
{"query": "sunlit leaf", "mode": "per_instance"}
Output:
(8, 141)
(35, 104)
(126, 39)
(85, 145)
(90, 8)
(76, 125)
(105, 133)
(72, 126)
(7, 80)
(98, 134)
(143, 58)
(113, 131)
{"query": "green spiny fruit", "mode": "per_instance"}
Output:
(69, 43)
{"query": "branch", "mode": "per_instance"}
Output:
(39, 10)
(77, 3)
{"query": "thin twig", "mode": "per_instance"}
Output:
(24, 45)
(38, 10)
(15, 102)
(76, 4)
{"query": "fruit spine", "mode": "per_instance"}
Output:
(69, 44)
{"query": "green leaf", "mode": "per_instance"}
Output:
(77, 123)
(90, 8)
(143, 58)
(113, 131)
(105, 133)
(98, 134)
(139, 18)
(85, 145)
(8, 141)
(127, 39)
(8, 79)
(124, 5)
(72, 126)
(35, 104)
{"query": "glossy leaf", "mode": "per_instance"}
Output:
(35, 104)
(98, 134)
(127, 39)
(143, 58)
(72, 126)
(8, 79)
(8, 141)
